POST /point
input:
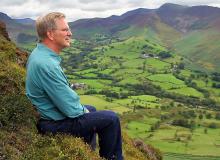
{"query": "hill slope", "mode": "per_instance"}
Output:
(172, 25)
(16, 27)
(18, 135)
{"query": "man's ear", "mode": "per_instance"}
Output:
(50, 35)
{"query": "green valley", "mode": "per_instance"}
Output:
(160, 102)
(158, 69)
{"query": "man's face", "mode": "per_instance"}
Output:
(62, 34)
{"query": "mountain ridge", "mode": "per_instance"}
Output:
(170, 25)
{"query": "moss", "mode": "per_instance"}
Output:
(59, 147)
(7, 50)
(16, 111)
(130, 152)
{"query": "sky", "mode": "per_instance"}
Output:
(78, 9)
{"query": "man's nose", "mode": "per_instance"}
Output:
(69, 33)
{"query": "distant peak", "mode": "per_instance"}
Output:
(172, 6)
(4, 16)
(136, 11)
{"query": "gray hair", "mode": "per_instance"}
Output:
(47, 23)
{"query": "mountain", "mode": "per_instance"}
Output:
(192, 32)
(114, 25)
(25, 21)
(186, 19)
(15, 27)
(182, 18)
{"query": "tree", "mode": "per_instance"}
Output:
(206, 82)
(208, 115)
(200, 116)
(164, 54)
(134, 108)
(205, 130)
(217, 116)
(181, 66)
(212, 125)
(144, 66)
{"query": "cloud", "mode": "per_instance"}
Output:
(77, 9)
(12, 2)
(97, 1)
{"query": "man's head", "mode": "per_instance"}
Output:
(53, 30)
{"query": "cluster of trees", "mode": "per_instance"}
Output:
(164, 54)
(109, 93)
(184, 123)
(146, 46)
(150, 89)
(215, 76)
(214, 85)
(155, 126)
(188, 114)
(26, 38)
(189, 82)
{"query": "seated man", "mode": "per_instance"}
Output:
(59, 106)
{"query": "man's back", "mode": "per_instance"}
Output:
(47, 86)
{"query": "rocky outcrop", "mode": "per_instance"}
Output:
(3, 31)
(151, 152)
(21, 56)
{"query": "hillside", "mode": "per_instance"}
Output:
(192, 32)
(159, 100)
(172, 25)
(18, 27)
(18, 135)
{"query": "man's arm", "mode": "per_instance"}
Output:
(62, 96)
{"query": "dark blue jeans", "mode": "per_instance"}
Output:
(105, 123)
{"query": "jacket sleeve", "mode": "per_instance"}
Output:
(56, 86)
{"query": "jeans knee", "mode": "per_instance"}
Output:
(114, 117)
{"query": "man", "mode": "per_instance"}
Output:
(59, 106)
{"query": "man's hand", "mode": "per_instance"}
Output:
(86, 110)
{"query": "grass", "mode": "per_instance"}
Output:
(200, 48)
(165, 140)
(96, 84)
(188, 92)
(102, 104)
(157, 64)
(175, 156)
(168, 85)
(130, 80)
(172, 84)
(165, 78)
(137, 129)
(148, 98)
(146, 101)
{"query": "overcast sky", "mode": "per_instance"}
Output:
(77, 9)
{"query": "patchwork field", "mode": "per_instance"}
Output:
(159, 100)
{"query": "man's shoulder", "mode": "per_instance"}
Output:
(39, 62)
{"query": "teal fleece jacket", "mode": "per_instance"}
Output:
(47, 86)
